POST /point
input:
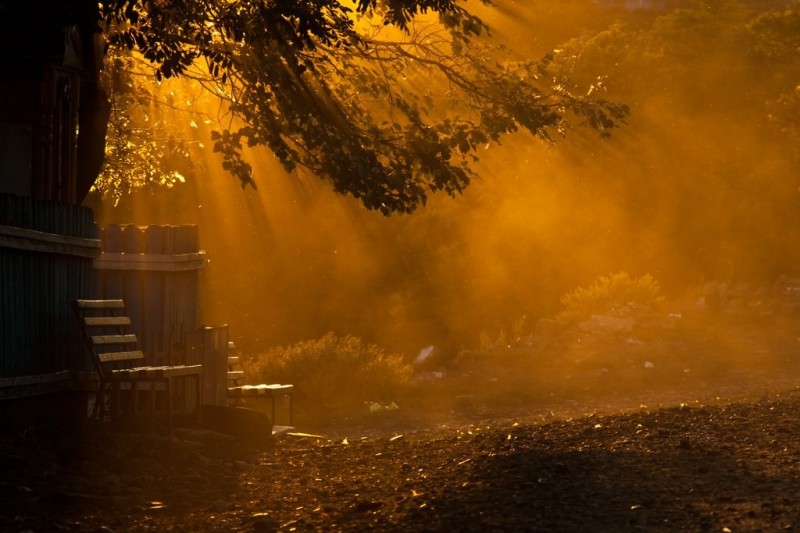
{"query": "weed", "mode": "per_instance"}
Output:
(614, 294)
(332, 372)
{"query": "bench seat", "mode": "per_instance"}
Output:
(272, 391)
(118, 361)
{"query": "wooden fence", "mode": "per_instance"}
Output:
(155, 269)
(46, 255)
(50, 255)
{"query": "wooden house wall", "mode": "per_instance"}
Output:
(38, 134)
(46, 255)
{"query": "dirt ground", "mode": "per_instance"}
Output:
(688, 429)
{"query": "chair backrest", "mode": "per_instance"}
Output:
(105, 332)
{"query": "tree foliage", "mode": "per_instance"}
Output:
(773, 40)
(389, 100)
(146, 141)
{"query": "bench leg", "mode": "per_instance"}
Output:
(290, 402)
(153, 404)
(169, 403)
(99, 397)
(116, 401)
(103, 400)
(198, 398)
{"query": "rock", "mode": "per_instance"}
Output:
(238, 421)
(264, 524)
(219, 506)
(241, 466)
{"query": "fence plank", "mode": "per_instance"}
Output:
(153, 336)
(132, 286)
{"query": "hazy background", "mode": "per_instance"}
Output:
(701, 184)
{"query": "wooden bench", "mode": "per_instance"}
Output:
(238, 392)
(115, 354)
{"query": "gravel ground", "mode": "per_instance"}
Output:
(727, 466)
(662, 435)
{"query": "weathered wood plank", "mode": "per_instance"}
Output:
(153, 295)
(182, 370)
(36, 389)
(100, 340)
(112, 238)
(115, 357)
(45, 259)
(133, 283)
(107, 321)
(100, 304)
(39, 241)
(261, 390)
(151, 261)
(34, 379)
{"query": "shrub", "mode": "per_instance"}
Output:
(615, 294)
(503, 340)
(332, 372)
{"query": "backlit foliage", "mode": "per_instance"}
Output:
(773, 42)
(332, 372)
(389, 101)
(612, 295)
(147, 128)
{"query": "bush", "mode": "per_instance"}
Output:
(332, 373)
(615, 294)
(503, 340)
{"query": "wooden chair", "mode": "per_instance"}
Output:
(114, 352)
(273, 391)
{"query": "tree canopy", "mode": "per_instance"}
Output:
(389, 100)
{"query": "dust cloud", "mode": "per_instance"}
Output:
(700, 185)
